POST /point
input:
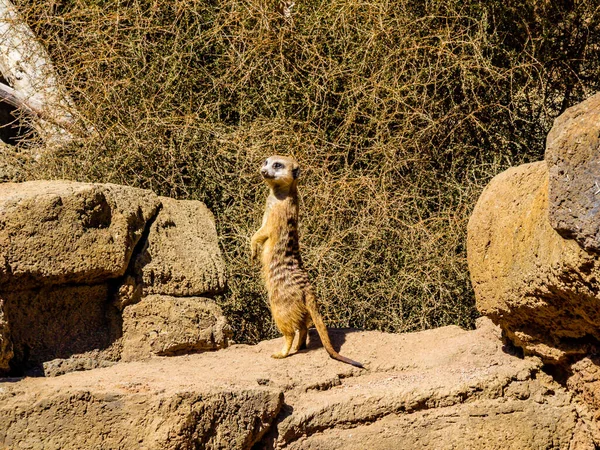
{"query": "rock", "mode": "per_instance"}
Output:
(584, 380)
(134, 414)
(182, 257)
(59, 232)
(128, 293)
(540, 288)
(6, 351)
(573, 156)
(85, 361)
(75, 256)
(447, 387)
(57, 322)
(505, 423)
(162, 325)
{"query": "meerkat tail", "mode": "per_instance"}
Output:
(311, 305)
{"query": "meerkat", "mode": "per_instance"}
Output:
(291, 296)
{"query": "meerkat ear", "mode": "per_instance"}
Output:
(296, 172)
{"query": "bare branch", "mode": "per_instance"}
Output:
(13, 98)
(32, 107)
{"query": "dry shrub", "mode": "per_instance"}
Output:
(398, 111)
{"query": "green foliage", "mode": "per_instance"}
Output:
(398, 111)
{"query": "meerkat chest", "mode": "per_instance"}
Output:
(281, 221)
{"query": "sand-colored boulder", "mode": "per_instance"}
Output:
(448, 388)
(573, 157)
(133, 413)
(182, 255)
(541, 288)
(508, 424)
(74, 256)
(59, 232)
(164, 326)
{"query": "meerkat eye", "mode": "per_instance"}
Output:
(277, 166)
(266, 162)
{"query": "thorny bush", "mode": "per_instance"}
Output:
(398, 111)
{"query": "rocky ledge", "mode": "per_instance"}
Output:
(443, 389)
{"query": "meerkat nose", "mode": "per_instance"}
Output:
(264, 172)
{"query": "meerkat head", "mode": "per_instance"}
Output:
(280, 171)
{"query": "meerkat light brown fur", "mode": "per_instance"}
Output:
(291, 296)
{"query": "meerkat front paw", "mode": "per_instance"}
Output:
(278, 355)
(253, 251)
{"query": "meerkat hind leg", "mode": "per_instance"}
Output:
(302, 335)
(285, 351)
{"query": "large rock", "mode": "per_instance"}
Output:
(74, 256)
(166, 326)
(182, 256)
(58, 232)
(507, 423)
(134, 413)
(541, 288)
(573, 156)
(448, 388)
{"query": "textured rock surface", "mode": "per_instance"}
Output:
(573, 156)
(505, 423)
(58, 232)
(51, 323)
(163, 325)
(134, 414)
(74, 255)
(92, 359)
(584, 380)
(540, 287)
(448, 387)
(182, 257)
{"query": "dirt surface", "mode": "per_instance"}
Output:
(453, 388)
